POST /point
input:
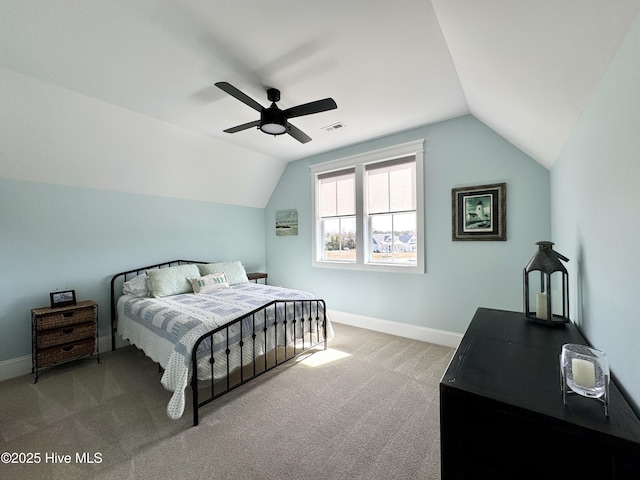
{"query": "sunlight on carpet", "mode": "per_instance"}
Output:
(323, 357)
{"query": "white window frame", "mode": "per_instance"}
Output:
(359, 162)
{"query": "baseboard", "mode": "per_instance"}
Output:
(415, 332)
(15, 367)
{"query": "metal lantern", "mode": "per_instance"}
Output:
(548, 262)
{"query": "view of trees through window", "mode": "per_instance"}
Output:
(340, 239)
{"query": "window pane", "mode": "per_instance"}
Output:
(339, 237)
(391, 187)
(393, 238)
(402, 193)
(338, 195)
(328, 199)
(378, 192)
(346, 194)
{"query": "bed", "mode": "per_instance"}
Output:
(203, 317)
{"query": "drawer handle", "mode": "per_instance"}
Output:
(68, 314)
(68, 348)
(68, 331)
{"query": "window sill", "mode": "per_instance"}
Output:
(369, 267)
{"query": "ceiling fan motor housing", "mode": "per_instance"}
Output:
(273, 95)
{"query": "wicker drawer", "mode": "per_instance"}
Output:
(70, 333)
(63, 319)
(68, 351)
(63, 333)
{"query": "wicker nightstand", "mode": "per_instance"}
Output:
(63, 334)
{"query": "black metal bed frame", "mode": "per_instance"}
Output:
(252, 334)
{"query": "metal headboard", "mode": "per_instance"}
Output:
(118, 280)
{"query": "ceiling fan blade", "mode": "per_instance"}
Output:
(244, 126)
(297, 134)
(244, 98)
(311, 107)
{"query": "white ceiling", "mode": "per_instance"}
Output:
(525, 68)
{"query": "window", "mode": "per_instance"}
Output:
(391, 210)
(338, 215)
(369, 211)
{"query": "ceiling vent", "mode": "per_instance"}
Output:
(335, 126)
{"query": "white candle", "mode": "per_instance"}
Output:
(584, 372)
(541, 306)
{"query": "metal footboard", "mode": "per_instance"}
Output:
(253, 344)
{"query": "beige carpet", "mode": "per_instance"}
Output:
(365, 409)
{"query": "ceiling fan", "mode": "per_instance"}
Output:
(274, 121)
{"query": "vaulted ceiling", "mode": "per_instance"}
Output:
(524, 68)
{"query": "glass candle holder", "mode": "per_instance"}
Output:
(585, 371)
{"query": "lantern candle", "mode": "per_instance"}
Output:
(584, 373)
(541, 306)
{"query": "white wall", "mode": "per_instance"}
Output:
(53, 135)
(461, 276)
(596, 215)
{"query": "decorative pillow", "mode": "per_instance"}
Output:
(164, 282)
(234, 270)
(215, 281)
(137, 286)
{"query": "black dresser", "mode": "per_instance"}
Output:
(502, 415)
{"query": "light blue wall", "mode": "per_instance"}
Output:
(461, 276)
(54, 237)
(596, 215)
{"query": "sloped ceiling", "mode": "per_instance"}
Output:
(526, 69)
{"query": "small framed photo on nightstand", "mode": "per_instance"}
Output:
(63, 299)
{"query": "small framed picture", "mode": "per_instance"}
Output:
(479, 212)
(286, 222)
(63, 299)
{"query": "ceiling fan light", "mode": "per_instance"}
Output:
(273, 128)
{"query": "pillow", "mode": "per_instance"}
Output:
(234, 270)
(164, 282)
(214, 281)
(137, 286)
